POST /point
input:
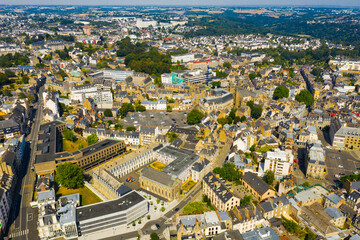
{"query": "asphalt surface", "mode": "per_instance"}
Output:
(24, 218)
(155, 118)
(162, 222)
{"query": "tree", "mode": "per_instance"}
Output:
(22, 95)
(140, 108)
(168, 108)
(130, 129)
(194, 116)
(222, 121)
(68, 135)
(243, 119)
(256, 112)
(281, 92)
(162, 209)
(305, 97)
(269, 177)
(227, 65)
(306, 184)
(25, 79)
(216, 84)
(91, 139)
(154, 236)
(252, 76)
(118, 126)
(125, 108)
(7, 93)
(228, 172)
(108, 113)
(69, 175)
(246, 200)
(194, 208)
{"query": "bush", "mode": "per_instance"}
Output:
(69, 175)
(158, 201)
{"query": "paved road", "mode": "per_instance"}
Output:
(24, 218)
(161, 221)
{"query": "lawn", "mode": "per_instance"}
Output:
(86, 195)
(157, 166)
(69, 146)
(188, 185)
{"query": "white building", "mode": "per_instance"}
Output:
(117, 75)
(155, 105)
(166, 78)
(51, 104)
(145, 24)
(102, 97)
(278, 161)
(183, 58)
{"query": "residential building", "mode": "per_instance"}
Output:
(344, 137)
(257, 187)
(222, 198)
(159, 105)
(315, 161)
(276, 207)
(246, 218)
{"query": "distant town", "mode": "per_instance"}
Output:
(179, 123)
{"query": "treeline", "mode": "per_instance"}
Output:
(10, 60)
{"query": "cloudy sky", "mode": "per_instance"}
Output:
(355, 3)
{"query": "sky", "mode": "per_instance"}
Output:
(342, 3)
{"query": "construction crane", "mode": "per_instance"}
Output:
(207, 72)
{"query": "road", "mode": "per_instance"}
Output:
(24, 218)
(161, 221)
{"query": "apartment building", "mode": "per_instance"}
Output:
(222, 198)
(315, 160)
(275, 207)
(246, 218)
(279, 162)
(257, 187)
(344, 137)
(106, 215)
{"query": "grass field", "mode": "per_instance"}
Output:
(86, 195)
(157, 166)
(69, 146)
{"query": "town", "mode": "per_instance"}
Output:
(153, 123)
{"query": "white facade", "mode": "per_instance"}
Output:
(102, 98)
(117, 75)
(184, 58)
(145, 24)
(166, 78)
(156, 105)
(279, 161)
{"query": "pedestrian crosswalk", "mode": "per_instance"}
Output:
(19, 233)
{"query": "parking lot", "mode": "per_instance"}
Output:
(155, 118)
(340, 163)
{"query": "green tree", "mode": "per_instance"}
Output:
(252, 76)
(222, 121)
(246, 200)
(269, 177)
(227, 65)
(216, 84)
(69, 175)
(228, 172)
(125, 108)
(140, 108)
(25, 79)
(130, 129)
(281, 92)
(22, 95)
(256, 112)
(108, 113)
(91, 139)
(118, 126)
(7, 93)
(194, 208)
(243, 119)
(306, 184)
(154, 236)
(68, 135)
(194, 116)
(168, 108)
(305, 97)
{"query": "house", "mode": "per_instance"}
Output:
(257, 186)
(275, 207)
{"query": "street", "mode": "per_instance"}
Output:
(23, 221)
